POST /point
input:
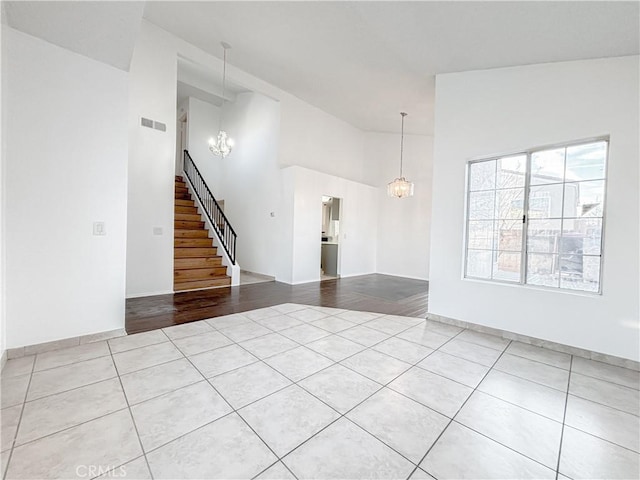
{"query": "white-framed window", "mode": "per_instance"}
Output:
(537, 217)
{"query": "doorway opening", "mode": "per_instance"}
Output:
(330, 241)
(181, 141)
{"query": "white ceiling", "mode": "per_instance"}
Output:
(364, 62)
(104, 31)
(204, 83)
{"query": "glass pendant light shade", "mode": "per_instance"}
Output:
(222, 145)
(400, 187)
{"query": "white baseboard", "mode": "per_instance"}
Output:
(150, 294)
(62, 343)
(558, 347)
(422, 279)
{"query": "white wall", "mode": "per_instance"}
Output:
(404, 225)
(358, 224)
(65, 167)
(314, 139)
(3, 301)
(251, 182)
(203, 124)
(506, 110)
(304, 135)
(152, 94)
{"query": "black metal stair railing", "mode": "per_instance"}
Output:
(212, 209)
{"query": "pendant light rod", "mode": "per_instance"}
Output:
(404, 114)
(222, 145)
(400, 187)
(225, 47)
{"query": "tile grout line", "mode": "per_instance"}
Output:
(603, 405)
(334, 362)
(296, 383)
(540, 361)
(94, 382)
(385, 386)
(519, 406)
(310, 323)
(417, 465)
(133, 421)
(99, 416)
(624, 387)
(98, 381)
(72, 426)
(72, 363)
(329, 333)
(496, 441)
(530, 381)
(15, 435)
(112, 353)
(564, 418)
(456, 414)
(511, 374)
(280, 458)
(277, 391)
(344, 415)
(233, 410)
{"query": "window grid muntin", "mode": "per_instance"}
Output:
(524, 261)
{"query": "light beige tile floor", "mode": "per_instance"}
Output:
(307, 392)
(247, 278)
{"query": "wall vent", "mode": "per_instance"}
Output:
(147, 122)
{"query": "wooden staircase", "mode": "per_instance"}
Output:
(195, 260)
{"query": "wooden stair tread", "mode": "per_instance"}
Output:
(187, 225)
(196, 261)
(190, 233)
(182, 252)
(218, 282)
(187, 217)
(192, 242)
(188, 209)
(180, 276)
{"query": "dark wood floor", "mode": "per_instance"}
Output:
(374, 293)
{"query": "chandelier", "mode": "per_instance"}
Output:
(400, 187)
(222, 145)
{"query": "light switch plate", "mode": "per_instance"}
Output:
(157, 230)
(99, 228)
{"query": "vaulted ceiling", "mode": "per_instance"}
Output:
(104, 31)
(361, 61)
(366, 61)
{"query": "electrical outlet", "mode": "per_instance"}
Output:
(157, 230)
(99, 228)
